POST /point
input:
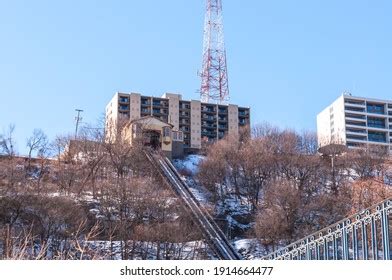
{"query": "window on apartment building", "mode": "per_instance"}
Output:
(124, 107)
(376, 122)
(376, 136)
(375, 108)
(124, 99)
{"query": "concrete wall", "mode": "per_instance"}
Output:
(111, 117)
(174, 110)
(339, 121)
(233, 119)
(178, 149)
(323, 128)
(195, 124)
(331, 124)
(134, 106)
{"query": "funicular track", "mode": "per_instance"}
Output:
(211, 231)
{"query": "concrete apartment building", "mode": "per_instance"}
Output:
(195, 120)
(355, 122)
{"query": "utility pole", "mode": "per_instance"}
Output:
(214, 78)
(78, 119)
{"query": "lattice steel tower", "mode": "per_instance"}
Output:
(214, 79)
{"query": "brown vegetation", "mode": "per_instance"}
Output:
(291, 189)
(67, 197)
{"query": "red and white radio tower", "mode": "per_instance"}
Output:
(214, 79)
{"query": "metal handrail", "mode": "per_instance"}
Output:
(342, 231)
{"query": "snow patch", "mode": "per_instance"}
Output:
(190, 163)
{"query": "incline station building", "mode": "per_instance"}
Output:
(171, 123)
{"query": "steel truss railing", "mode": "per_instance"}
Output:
(363, 236)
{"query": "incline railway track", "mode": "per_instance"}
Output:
(211, 231)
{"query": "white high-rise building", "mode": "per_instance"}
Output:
(356, 121)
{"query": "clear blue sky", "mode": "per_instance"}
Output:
(287, 59)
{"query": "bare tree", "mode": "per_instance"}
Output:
(7, 142)
(38, 142)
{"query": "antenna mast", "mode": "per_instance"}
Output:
(214, 79)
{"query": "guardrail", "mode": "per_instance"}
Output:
(363, 236)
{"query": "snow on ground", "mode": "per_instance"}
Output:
(198, 191)
(235, 210)
(250, 249)
(233, 205)
(189, 163)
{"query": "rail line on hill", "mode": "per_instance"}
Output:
(211, 231)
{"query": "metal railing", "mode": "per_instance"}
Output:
(363, 236)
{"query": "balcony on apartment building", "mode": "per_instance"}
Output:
(185, 106)
(124, 114)
(145, 102)
(160, 103)
(222, 119)
(123, 107)
(208, 125)
(222, 127)
(376, 136)
(243, 122)
(356, 123)
(355, 102)
(208, 108)
(244, 113)
(354, 137)
(374, 108)
(354, 109)
(208, 117)
(145, 111)
(184, 128)
(208, 133)
(222, 110)
(185, 121)
(184, 115)
(376, 122)
(353, 116)
(123, 99)
(356, 131)
(157, 111)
